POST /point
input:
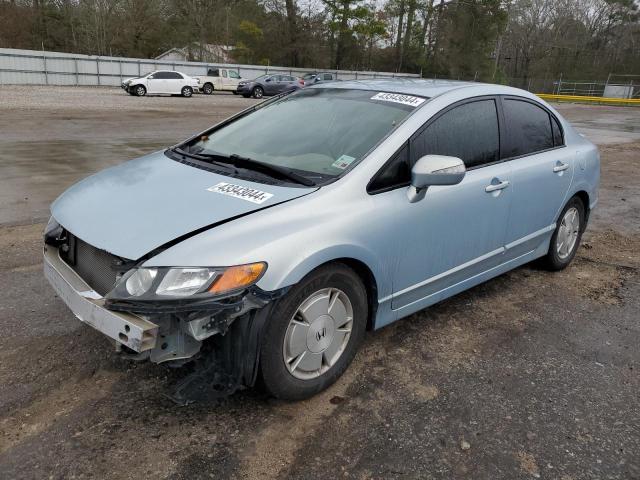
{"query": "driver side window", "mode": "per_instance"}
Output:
(469, 132)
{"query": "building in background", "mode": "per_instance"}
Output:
(196, 52)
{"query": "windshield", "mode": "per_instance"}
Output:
(309, 76)
(315, 131)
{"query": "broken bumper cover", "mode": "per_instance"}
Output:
(130, 330)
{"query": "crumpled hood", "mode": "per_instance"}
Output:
(133, 208)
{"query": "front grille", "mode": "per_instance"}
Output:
(98, 268)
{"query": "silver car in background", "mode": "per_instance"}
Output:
(267, 245)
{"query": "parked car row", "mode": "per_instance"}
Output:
(169, 82)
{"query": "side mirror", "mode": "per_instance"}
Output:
(268, 80)
(434, 170)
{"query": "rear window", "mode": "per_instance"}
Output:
(528, 128)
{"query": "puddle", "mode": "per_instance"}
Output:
(34, 173)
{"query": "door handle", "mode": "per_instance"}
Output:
(560, 167)
(497, 186)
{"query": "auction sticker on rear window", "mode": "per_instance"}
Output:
(398, 98)
(238, 191)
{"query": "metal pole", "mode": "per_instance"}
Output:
(75, 63)
(560, 84)
(98, 69)
(46, 74)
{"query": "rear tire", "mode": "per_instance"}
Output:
(207, 89)
(328, 333)
(140, 90)
(565, 240)
(186, 92)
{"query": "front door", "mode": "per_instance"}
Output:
(234, 80)
(455, 232)
(542, 169)
(271, 85)
(156, 83)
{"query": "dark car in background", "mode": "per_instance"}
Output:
(319, 77)
(269, 84)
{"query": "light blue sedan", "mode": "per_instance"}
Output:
(267, 245)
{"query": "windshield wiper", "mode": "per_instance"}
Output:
(248, 163)
(251, 164)
(269, 168)
(210, 158)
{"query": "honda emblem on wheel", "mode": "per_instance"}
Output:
(320, 334)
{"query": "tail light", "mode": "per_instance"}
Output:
(301, 82)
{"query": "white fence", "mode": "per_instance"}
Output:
(52, 68)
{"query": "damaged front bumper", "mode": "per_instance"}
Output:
(132, 331)
(167, 331)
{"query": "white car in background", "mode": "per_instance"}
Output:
(163, 82)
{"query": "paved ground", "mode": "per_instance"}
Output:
(536, 373)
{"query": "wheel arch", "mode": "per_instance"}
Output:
(584, 198)
(359, 263)
(368, 279)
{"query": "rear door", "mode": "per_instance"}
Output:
(175, 82)
(224, 77)
(455, 232)
(542, 170)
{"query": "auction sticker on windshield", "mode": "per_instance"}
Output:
(398, 98)
(238, 191)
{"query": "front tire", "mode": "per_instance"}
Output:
(314, 333)
(140, 90)
(257, 92)
(186, 92)
(566, 237)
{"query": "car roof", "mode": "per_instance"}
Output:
(416, 86)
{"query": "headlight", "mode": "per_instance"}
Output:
(180, 282)
(174, 282)
(53, 229)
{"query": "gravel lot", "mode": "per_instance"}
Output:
(530, 375)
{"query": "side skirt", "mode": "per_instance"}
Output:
(386, 315)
